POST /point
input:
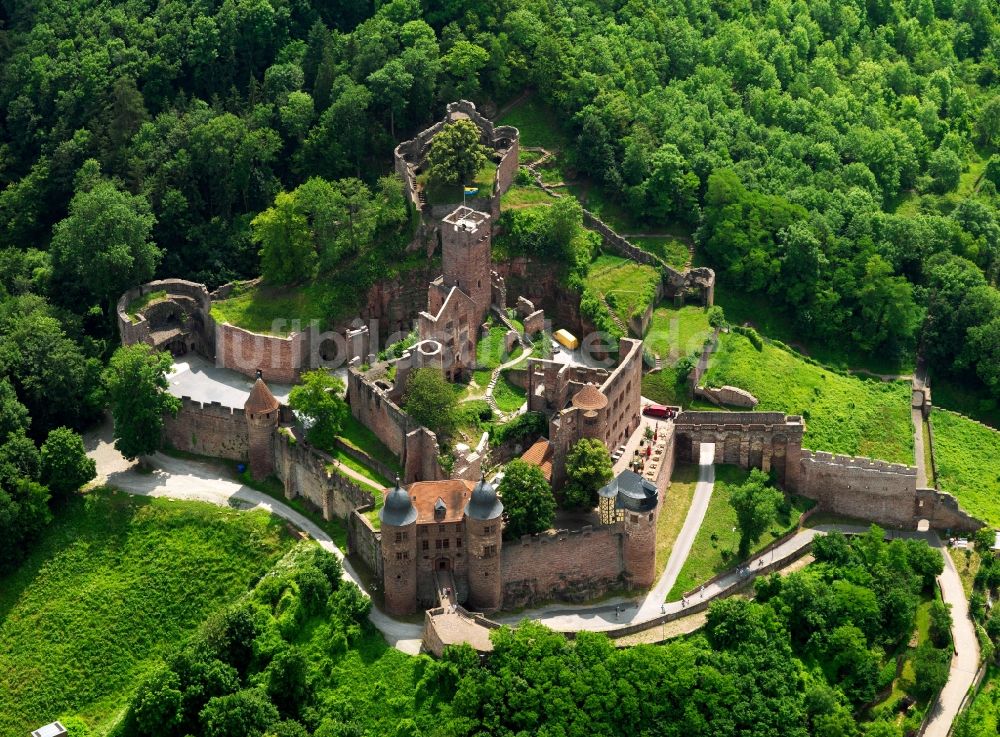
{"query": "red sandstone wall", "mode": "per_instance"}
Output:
(208, 429)
(574, 566)
(279, 358)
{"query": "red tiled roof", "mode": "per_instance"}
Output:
(260, 400)
(454, 493)
(540, 454)
(590, 398)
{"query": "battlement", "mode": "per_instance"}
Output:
(858, 464)
(735, 419)
(216, 409)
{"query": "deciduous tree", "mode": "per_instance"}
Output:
(136, 381)
(528, 504)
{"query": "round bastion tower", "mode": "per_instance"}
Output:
(261, 411)
(399, 559)
(483, 530)
(640, 547)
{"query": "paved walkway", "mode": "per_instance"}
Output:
(176, 478)
(965, 661)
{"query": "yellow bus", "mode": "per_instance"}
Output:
(567, 339)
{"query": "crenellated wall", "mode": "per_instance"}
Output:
(208, 430)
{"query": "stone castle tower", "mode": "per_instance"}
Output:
(640, 549)
(399, 560)
(466, 256)
(483, 529)
(633, 502)
(262, 412)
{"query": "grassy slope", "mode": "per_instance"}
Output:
(114, 584)
(629, 286)
(445, 194)
(968, 463)
(358, 436)
(262, 309)
(844, 414)
(537, 124)
(672, 250)
(674, 333)
(675, 506)
(718, 533)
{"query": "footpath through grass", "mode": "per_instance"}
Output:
(844, 414)
(715, 547)
(968, 463)
(115, 583)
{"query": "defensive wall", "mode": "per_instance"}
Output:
(569, 566)
(365, 541)
(208, 429)
(415, 446)
(677, 285)
(885, 493)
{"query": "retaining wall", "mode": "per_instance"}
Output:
(303, 470)
(364, 541)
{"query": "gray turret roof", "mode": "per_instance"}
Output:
(484, 504)
(398, 509)
(632, 492)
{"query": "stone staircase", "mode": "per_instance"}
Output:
(490, 399)
(501, 314)
(614, 316)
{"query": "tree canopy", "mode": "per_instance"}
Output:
(528, 503)
(318, 398)
(136, 382)
(456, 154)
(588, 468)
(430, 400)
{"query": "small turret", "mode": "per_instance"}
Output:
(262, 411)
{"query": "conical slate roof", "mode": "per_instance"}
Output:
(590, 398)
(398, 509)
(484, 504)
(260, 400)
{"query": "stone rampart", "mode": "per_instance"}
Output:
(415, 446)
(208, 430)
(568, 566)
(365, 541)
(190, 299)
(306, 472)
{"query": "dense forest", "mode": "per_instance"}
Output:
(806, 658)
(832, 155)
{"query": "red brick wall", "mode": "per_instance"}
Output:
(574, 566)
(279, 358)
(208, 429)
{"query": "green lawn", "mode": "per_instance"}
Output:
(968, 464)
(525, 196)
(672, 250)
(714, 549)
(272, 309)
(490, 351)
(673, 511)
(446, 194)
(629, 287)
(674, 333)
(537, 123)
(371, 474)
(508, 396)
(358, 436)
(844, 414)
(664, 388)
(115, 583)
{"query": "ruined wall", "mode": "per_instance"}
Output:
(569, 566)
(942, 511)
(730, 396)
(623, 388)
(420, 462)
(196, 302)
(280, 358)
(364, 541)
(208, 429)
(303, 470)
(372, 407)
